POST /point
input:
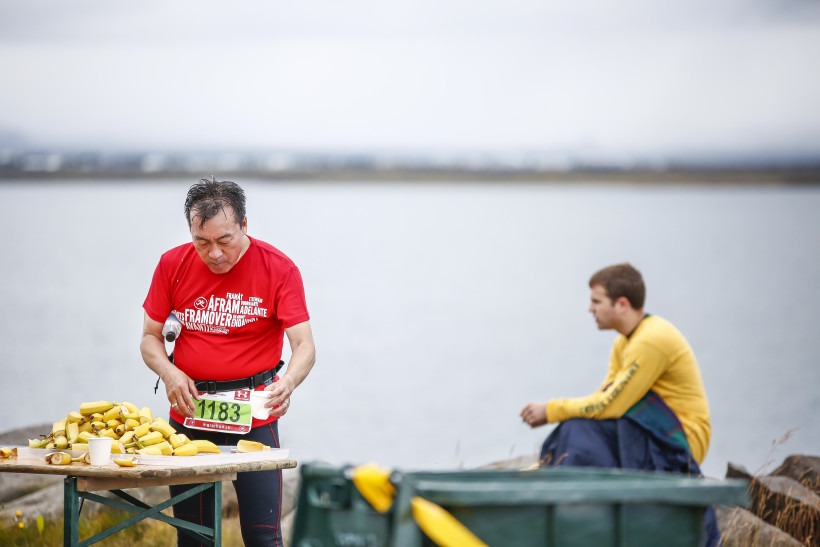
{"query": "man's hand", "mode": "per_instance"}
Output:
(280, 396)
(535, 414)
(181, 391)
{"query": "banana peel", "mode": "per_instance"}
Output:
(374, 485)
(126, 462)
(442, 527)
(244, 445)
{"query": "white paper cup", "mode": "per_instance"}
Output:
(258, 408)
(99, 450)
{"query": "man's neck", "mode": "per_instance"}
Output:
(630, 321)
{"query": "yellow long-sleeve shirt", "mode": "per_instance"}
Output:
(654, 357)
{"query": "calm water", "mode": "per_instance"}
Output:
(439, 310)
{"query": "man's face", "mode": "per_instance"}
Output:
(219, 242)
(602, 308)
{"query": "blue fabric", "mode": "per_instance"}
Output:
(625, 444)
(259, 493)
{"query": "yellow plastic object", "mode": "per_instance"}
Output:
(374, 485)
(442, 527)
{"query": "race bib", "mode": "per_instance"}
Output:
(225, 411)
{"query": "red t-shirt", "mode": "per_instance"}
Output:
(233, 324)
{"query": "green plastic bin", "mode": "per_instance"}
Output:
(545, 507)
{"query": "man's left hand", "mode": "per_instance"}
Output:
(279, 401)
(535, 414)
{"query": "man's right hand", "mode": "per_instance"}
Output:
(535, 414)
(181, 391)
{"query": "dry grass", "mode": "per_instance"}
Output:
(800, 520)
(147, 533)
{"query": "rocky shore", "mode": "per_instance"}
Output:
(784, 508)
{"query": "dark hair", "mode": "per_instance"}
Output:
(208, 197)
(621, 280)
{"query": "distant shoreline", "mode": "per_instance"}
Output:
(808, 176)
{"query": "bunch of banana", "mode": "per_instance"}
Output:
(7, 452)
(94, 419)
(132, 430)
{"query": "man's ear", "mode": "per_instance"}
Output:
(622, 303)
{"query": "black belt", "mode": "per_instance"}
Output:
(251, 382)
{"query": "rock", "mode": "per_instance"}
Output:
(22, 435)
(804, 469)
(788, 505)
(735, 471)
(740, 528)
(14, 486)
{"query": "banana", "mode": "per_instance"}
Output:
(96, 417)
(189, 449)
(112, 413)
(74, 417)
(113, 424)
(58, 428)
(132, 423)
(145, 415)
(142, 430)
(58, 458)
(95, 407)
(176, 440)
(85, 458)
(126, 462)
(78, 446)
(72, 431)
(117, 447)
(61, 442)
(165, 448)
(152, 438)
(7, 452)
(127, 437)
(108, 433)
(98, 425)
(86, 426)
(163, 427)
(84, 436)
(120, 430)
(204, 446)
(131, 408)
(152, 450)
(250, 446)
(37, 443)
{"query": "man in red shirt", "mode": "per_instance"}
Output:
(237, 299)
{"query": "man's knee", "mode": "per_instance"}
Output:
(581, 442)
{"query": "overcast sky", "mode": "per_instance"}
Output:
(614, 77)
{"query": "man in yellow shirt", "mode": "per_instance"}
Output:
(650, 412)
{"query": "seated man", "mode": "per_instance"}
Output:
(651, 412)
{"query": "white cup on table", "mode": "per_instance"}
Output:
(99, 450)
